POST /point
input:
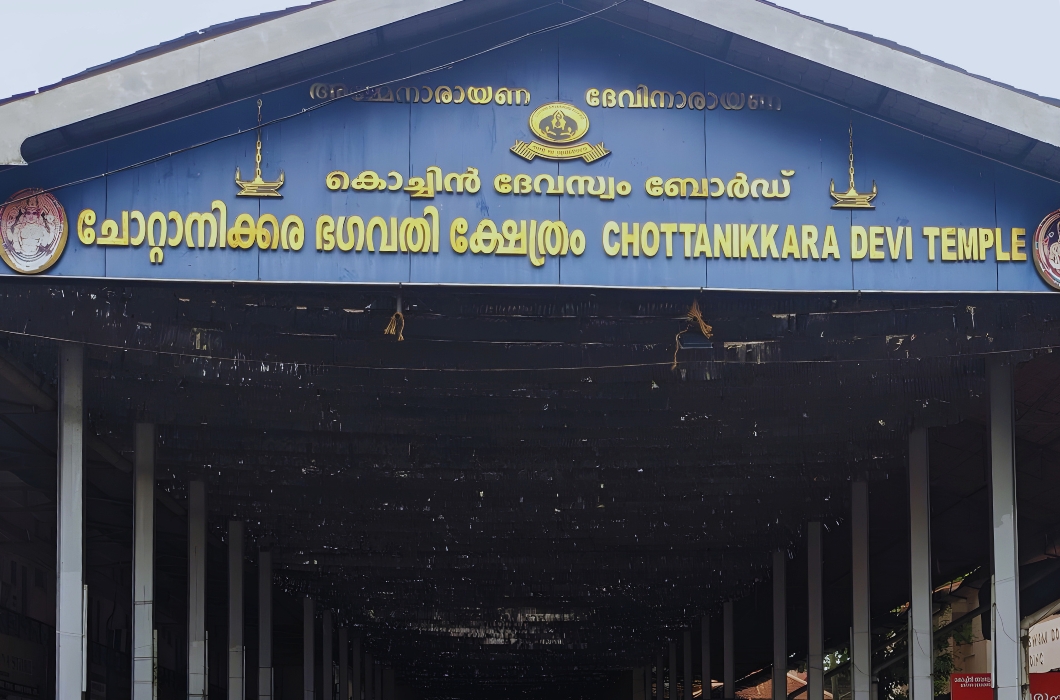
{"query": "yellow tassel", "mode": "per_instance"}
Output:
(694, 314)
(392, 327)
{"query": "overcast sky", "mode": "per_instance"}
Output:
(1011, 41)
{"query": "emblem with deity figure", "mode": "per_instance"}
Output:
(33, 231)
(560, 124)
(1046, 249)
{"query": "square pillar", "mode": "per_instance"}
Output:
(729, 661)
(369, 677)
(704, 653)
(1005, 637)
(70, 603)
(197, 681)
(780, 625)
(308, 652)
(815, 606)
(236, 685)
(327, 663)
(355, 676)
(344, 663)
(265, 676)
(921, 632)
(671, 677)
(660, 680)
(687, 691)
(861, 639)
(143, 564)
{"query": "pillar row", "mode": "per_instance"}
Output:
(143, 632)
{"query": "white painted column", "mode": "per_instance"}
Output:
(265, 676)
(236, 663)
(861, 641)
(729, 661)
(308, 652)
(780, 625)
(70, 603)
(143, 564)
(815, 605)
(1008, 659)
(671, 676)
(920, 609)
(687, 692)
(197, 681)
(704, 654)
(355, 677)
(344, 664)
(327, 670)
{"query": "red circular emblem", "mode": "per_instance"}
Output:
(1046, 249)
(33, 231)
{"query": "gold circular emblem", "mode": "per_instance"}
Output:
(33, 231)
(559, 122)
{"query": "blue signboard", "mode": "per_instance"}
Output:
(590, 156)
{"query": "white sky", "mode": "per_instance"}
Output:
(1011, 41)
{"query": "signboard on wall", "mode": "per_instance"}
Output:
(590, 156)
(1043, 645)
(971, 686)
(22, 668)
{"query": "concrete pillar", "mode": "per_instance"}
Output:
(687, 691)
(327, 668)
(780, 625)
(815, 606)
(920, 609)
(369, 677)
(344, 664)
(388, 683)
(143, 564)
(236, 685)
(704, 654)
(861, 641)
(1008, 660)
(671, 677)
(729, 651)
(355, 677)
(197, 681)
(265, 676)
(308, 653)
(70, 604)
(660, 678)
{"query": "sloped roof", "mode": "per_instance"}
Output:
(236, 59)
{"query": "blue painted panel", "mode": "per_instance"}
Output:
(83, 164)
(1023, 200)
(806, 135)
(187, 182)
(643, 143)
(456, 137)
(360, 136)
(921, 183)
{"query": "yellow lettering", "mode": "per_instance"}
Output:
(769, 235)
(1018, 244)
(809, 242)
(875, 242)
(723, 240)
(650, 229)
(688, 231)
(831, 245)
(702, 242)
(611, 229)
(931, 233)
(859, 243)
(949, 244)
(669, 230)
(747, 241)
(967, 244)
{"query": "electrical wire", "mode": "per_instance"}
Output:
(325, 103)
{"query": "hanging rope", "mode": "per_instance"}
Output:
(694, 314)
(392, 328)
